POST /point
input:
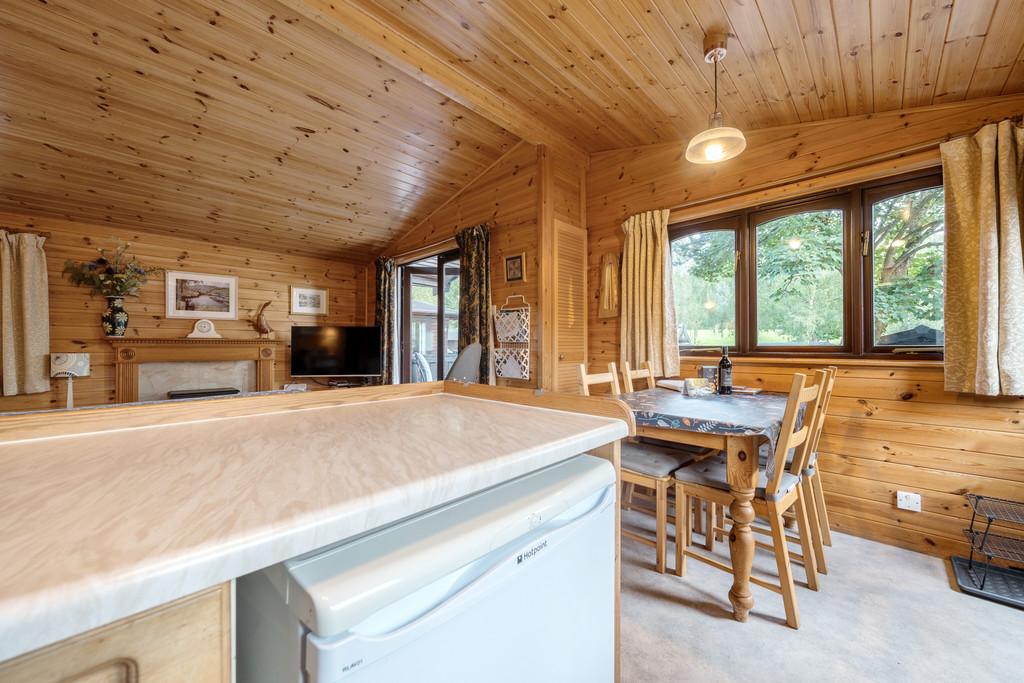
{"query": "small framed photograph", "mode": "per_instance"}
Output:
(309, 301)
(515, 268)
(201, 295)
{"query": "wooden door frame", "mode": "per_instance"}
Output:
(406, 272)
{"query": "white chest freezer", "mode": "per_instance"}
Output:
(512, 584)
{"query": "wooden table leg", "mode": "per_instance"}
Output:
(742, 474)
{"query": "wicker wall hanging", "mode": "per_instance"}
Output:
(512, 332)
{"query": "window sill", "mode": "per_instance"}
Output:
(861, 361)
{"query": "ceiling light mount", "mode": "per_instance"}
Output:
(715, 47)
(719, 142)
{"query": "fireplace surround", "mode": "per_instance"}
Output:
(130, 353)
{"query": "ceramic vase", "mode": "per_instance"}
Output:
(115, 318)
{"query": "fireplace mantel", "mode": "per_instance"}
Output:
(131, 352)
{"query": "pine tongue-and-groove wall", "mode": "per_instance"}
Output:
(263, 276)
(892, 426)
(510, 197)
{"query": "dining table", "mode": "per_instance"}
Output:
(741, 425)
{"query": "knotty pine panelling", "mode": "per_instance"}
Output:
(505, 198)
(263, 276)
(606, 75)
(243, 123)
(508, 197)
(891, 426)
(779, 163)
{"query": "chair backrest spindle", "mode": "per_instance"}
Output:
(645, 373)
(826, 398)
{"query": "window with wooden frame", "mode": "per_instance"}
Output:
(856, 271)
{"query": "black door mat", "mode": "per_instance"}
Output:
(1002, 584)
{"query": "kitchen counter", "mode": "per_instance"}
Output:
(97, 523)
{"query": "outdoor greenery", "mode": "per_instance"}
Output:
(117, 274)
(703, 272)
(799, 282)
(799, 275)
(908, 235)
(800, 279)
(427, 293)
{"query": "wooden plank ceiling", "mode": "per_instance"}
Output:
(234, 122)
(329, 127)
(617, 73)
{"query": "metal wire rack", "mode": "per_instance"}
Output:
(994, 545)
(997, 508)
(1006, 585)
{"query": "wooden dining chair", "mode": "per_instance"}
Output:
(778, 490)
(810, 479)
(703, 519)
(644, 464)
(811, 473)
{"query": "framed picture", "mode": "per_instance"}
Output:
(201, 295)
(309, 301)
(515, 268)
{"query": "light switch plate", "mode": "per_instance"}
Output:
(905, 500)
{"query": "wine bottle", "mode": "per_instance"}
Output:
(725, 372)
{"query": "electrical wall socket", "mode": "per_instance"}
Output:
(905, 500)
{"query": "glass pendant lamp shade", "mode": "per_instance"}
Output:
(718, 143)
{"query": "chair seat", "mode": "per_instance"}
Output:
(712, 473)
(654, 460)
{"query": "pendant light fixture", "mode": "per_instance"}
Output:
(719, 142)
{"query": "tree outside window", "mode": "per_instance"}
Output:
(800, 279)
(796, 275)
(704, 284)
(908, 233)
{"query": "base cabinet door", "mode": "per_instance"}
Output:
(186, 640)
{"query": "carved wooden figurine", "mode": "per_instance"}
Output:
(259, 320)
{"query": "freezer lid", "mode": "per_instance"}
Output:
(333, 590)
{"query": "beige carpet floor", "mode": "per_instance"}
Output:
(881, 614)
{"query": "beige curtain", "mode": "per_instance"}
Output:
(24, 314)
(984, 306)
(648, 320)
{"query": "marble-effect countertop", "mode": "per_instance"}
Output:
(96, 527)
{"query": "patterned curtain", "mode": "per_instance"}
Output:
(984, 309)
(24, 314)
(475, 293)
(647, 324)
(387, 282)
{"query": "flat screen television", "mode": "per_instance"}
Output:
(334, 351)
